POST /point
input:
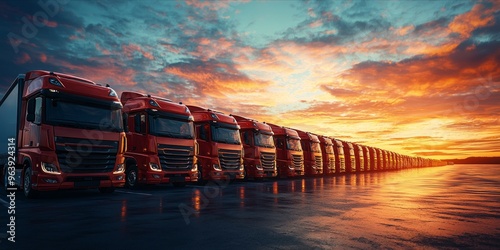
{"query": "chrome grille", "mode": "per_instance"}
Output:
(230, 159)
(77, 155)
(331, 162)
(173, 157)
(297, 161)
(353, 164)
(318, 162)
(268, 160)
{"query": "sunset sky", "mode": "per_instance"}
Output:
(420, 78)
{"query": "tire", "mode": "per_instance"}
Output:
(280, 174)
(246, 178)
(131, 177)
(29, 192)
(106, 190)
(201, 181)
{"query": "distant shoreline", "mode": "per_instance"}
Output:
(475, 160)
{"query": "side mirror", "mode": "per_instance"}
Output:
(125, 122)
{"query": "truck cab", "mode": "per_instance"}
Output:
(161, 144)
(328, 155)
(290, 157)
(384, 160)
(338, 149)
(359, 157)
(367, 159)
(350, 163)
(220, 155)
(68, 132)
(259, 159)
(374, 159)
(313, 158)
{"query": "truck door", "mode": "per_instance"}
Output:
(31, 130)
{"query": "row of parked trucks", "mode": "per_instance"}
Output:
(65, 132)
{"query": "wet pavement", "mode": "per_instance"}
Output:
(448, 207)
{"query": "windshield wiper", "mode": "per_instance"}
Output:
(174, 135)
(167, 134)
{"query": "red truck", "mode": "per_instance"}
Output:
(374, 159)
(313, 159)
(390, 161)
(63, 132)
(258, 144)
(384, 160)
(400, 163)
(367, 159)
(161, 143)
(220, 154)
(328, 154)
(290, 157)
(359, 157)
(350, 163)
(338, 149)
(394, 159)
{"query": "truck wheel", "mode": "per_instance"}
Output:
(279, 175)
(131, 177)
(201, 181)
(246, 178)
(106, 190)
(29, 192)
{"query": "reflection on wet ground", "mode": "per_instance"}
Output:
(454, 206)
(443, 207)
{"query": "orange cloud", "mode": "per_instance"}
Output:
(213, 48)
(130, 49)
(43, 57)
(106, 73)
(478, 16)
(216, 79)
(404, 30)
(24, 58)
(102, 50)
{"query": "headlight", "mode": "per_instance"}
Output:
(50, 168)
(120, 168)
(217, 167)
(259, 167)
(290, 167)
(154, 166)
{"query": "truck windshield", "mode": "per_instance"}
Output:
(293, 144)
(329, 148)
(264, 140)
(175, 128)
(70, 114)
(225, 135)
(340, 150)
(315, 147)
